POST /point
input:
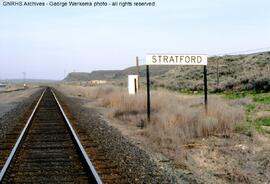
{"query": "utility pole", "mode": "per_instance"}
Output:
(138, 71)
(24, 79)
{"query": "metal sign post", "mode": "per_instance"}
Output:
(148, 92)
(205, 88)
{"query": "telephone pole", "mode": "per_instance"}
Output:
(24, 79)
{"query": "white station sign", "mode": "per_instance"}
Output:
(176, 59)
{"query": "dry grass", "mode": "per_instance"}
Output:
(174, 117)
(175, 120)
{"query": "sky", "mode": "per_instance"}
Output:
(49, 42)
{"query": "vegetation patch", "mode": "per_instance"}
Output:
(256, 96)
(231, 95)
(250, 107)
(262, 98)
(264, 121)
(245, 128)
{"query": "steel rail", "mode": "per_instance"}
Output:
(19, 141)
(78, 144)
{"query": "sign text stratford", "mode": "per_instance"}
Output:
(175, 59)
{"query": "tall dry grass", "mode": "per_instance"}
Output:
(175, 119)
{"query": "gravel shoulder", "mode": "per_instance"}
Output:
(9, 100)
(12, 105)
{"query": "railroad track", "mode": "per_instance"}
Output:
(48, 149)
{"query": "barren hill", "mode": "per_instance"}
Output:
(236, 72)
(95, 75)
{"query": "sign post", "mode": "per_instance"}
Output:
(175, 59)
(205, 88)
(148, 92)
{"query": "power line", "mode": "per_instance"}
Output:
(246, 51)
